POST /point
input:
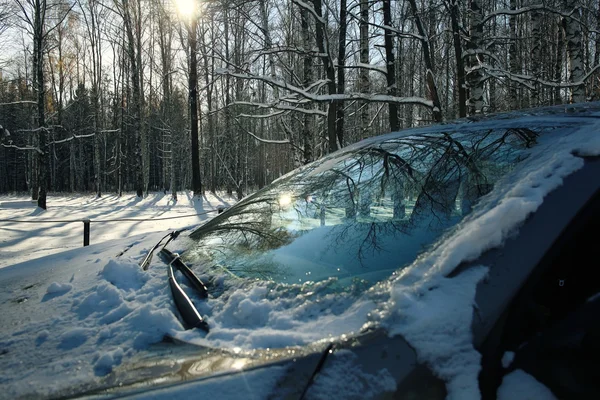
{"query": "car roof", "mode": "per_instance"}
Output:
(569, 114)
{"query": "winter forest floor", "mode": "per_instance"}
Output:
(25, 241)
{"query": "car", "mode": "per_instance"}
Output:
(451, 261)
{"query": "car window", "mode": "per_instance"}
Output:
(360, 215)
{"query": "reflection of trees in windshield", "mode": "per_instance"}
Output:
(367, 210)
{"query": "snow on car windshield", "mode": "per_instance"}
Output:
(360, 216)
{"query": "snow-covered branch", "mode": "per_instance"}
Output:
(326, 98)
(474, 52)
(263, 116)
(12, 103)
(278, 106)
(528, 80)
(284, 49)
(34, 130)
(269, 141)
(12, 146)
(398, 32)
(370, 67)
(310, 9)
(523, 10)
(71, 138)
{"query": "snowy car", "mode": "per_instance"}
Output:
(451, 261)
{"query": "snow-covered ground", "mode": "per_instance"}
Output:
(25, 241)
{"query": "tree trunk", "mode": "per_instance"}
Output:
(307, 129)
(341, 82)
(558, 66)
(136, 100)
(574, 51)
(329, 73)
(427, 57)
(193, 103)
(364, 81)
(475, 75)
(390, 66)
(38, 60)
(460, 66)
(536, 55)
(513, 54)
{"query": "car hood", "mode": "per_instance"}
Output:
(72, 326)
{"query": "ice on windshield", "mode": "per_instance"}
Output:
(360, 215)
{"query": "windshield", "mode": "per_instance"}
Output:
(361, 215)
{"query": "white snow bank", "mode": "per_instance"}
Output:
(106, 361)
(519, 385)
(124, 276)
(507, 359)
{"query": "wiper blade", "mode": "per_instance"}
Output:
(190, 315)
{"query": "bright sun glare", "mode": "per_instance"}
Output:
(186, 8)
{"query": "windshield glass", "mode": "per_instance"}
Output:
(360, 215)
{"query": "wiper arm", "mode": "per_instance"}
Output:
(171, 235)
(190, 315)
(328, 350)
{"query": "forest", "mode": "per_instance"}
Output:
(162, 95)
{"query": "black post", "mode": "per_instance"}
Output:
(86, 232)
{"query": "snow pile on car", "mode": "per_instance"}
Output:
(262, 315)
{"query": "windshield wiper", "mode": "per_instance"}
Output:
(190, 315)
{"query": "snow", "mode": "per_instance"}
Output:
(61, 327)
(24, 241)
(341, 369)
(435, 318)
(507, 359)
(267, 315)
(519, 385)
(55, 288)
(104, 318)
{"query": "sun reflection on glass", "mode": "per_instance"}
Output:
(285, 200)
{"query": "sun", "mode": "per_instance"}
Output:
(186, 8)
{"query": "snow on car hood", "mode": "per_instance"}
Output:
(71, 318)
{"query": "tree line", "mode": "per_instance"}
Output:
(130, 95)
